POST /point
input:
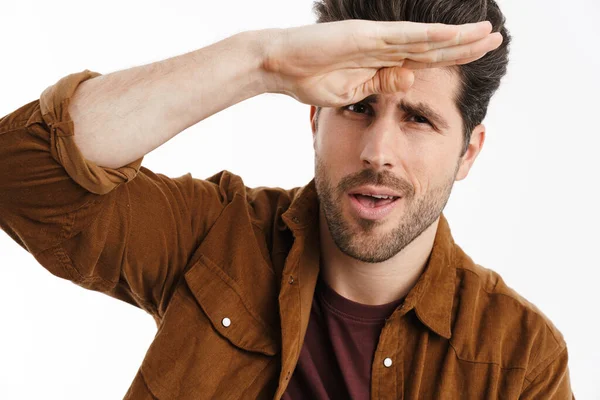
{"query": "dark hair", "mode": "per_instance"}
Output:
(479, 79)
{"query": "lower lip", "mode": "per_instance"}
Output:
(374, 213)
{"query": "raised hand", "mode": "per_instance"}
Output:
(338, 63)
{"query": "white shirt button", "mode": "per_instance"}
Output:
(387, 362)
(226, 322)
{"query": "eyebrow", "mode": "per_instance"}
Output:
(419, 108)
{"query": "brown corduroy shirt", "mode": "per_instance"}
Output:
(228, 272)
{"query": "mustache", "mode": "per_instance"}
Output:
(371, 177)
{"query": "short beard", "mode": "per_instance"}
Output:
(362, 244)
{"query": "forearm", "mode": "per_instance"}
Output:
(124, 115)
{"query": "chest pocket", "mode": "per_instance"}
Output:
(232, 316)
(212, 342)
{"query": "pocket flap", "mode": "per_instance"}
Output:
(231, 315)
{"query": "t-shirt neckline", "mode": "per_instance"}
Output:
(353, 309)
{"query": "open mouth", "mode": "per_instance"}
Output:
(372, 206)
(374, 201)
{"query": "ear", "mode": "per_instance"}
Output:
(313, 124)
(475, 146)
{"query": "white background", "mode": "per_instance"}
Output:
(529, 208)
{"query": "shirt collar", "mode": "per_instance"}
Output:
(432, 296)
(304, 209)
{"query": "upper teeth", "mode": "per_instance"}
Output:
(379, 196)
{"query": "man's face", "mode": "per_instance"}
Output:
(406, 144)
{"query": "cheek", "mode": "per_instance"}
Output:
(426, 172)
(335, 148)
(430, 162)
(334, 131)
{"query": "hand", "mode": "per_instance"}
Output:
(339, 63)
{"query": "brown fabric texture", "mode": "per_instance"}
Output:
(193, 252)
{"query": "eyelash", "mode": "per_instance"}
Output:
(426, 121)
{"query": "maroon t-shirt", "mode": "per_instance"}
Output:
(338, 350)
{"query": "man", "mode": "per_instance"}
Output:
(349, 287)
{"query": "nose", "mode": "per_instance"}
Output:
(379, 144)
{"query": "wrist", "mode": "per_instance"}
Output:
(263, 44)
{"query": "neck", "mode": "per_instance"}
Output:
(374, 283)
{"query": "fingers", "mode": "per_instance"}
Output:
(453, 55)
(396, 79)
(418, 45)
(386, 80)
(399, 33)
(423, 47)
(413, 65)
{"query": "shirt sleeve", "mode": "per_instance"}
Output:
(550, 381)
(126, 232)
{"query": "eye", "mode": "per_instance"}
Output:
(420, 119)
(358, 108)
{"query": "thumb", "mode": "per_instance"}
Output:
(390, 80)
